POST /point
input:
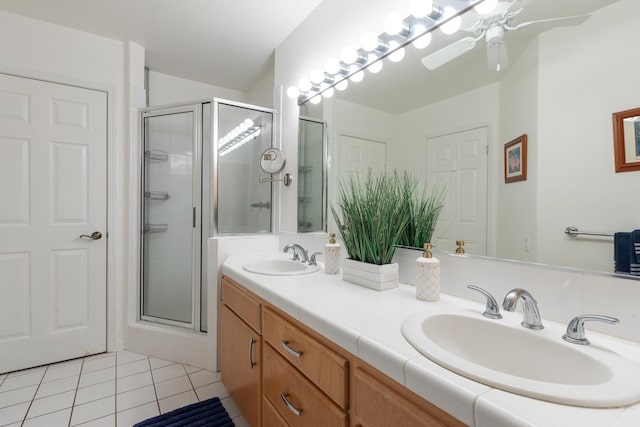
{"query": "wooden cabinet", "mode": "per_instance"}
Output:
(241, 354)
(283, 374)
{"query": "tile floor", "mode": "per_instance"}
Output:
(110, 389)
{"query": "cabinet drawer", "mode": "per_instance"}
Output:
(241, 303)
(271, 417)
(290, 392)
(377, 405)
(324, 367)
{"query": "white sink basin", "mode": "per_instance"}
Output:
(539, 364)
(280, 267)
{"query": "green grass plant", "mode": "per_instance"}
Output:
(423, 212)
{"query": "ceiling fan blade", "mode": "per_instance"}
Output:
(448, 53)
(564, 21)
(517, 5)
(497, 57)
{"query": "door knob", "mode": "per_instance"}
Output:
(96, 235)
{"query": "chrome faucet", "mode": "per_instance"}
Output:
(299, 253)
(532, 318)
(575, 329)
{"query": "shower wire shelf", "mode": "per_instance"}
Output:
(156, 195)
(156, 155)
(156, 228)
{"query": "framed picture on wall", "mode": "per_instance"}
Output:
(515, 160)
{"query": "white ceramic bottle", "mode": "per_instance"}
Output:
(428, 275)
(332, 255)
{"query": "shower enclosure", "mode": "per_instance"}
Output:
(199, 179)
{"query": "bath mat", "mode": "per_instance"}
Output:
(208, 413)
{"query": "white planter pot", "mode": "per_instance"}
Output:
(378, 277)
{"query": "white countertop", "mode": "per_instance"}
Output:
(367, 323)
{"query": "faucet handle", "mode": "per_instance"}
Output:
(575, 329)
(312, 258)
(492, 309)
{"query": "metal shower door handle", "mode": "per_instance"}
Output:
(96, 235)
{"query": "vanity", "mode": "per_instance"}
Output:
(312, 349)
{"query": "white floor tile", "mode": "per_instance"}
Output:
(98, 356)
(191, 369)
(56, 372)
(54, 419)
(54, 403)
(159, 363)
(202, 378)
(39, 369)
(109, 421)
(57, 386)
(96, 377)
(15, 413)
(212, 390)
(134, 381)
(95, 392)
(20, 395)
(240, 422)
(93, 410)
(177, 401)
(12, 383)
(124, 357)
(98, 364)
(173, 386)
(132, 368)
(231, 407)
(137, 414)
(135, 398)
(168, 372)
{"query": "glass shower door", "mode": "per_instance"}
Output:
(171, 216)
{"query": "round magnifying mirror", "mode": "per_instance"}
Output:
(272, 160)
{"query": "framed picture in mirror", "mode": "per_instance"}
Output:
(626, 140)
(515, 160)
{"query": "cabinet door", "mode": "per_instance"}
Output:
(241, 364)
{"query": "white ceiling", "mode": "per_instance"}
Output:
(226, 43)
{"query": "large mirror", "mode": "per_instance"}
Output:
(451, 124)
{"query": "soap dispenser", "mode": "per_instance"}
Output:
(428, 275)
(332, 255)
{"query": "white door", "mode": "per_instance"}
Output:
(52, 190)
(359, 156)
(458, 161)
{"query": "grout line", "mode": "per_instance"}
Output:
(34, 395)
(115, 397)
(153, 382)
(75, 395)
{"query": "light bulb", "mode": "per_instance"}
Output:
(486, 7)
(453, 25)
(316, 99)
(421, 8)
(357, 77)
(398, 55)
(370, 42)
(317, 76)
(422, 41)
(328, 93)
(349, 55)
(248, 122)
(393, 24)
(342, 85)
(375, 67)
(304, 85)
(332, 66)
(293, 92)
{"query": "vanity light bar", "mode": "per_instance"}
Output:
(411, 30)
(237, 142)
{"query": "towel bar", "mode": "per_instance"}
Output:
(573, 232)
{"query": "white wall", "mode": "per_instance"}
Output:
(575, 135)
(165, 89)
(261, 94)
(37, 49)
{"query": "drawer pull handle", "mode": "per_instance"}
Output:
(285, 345)
(292, 408)
(251, 362)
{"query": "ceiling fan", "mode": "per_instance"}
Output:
(492, 27)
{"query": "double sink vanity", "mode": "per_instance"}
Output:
(322, 351)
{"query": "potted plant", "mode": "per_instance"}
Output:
(371, 222)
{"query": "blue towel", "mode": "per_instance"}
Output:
(621, 252)
(209, 413)
(634, 253)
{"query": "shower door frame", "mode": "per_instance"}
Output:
(196, 197)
